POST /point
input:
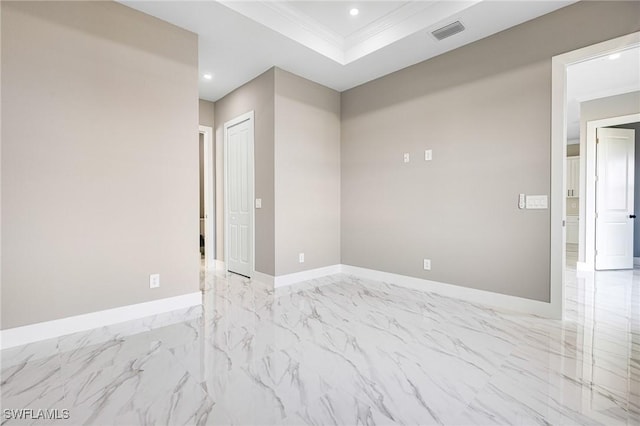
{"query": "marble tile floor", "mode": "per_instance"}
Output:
(344, 351)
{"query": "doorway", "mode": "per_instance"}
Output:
(207, 208)
(559, 122)
(239, 194)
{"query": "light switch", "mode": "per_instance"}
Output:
(522, 201)
(258, 203)
(406, 157)
(428, 155)
(537, 202)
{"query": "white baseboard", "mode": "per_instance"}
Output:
(290, 279)
(219, 265)
(47, 330)
(263, 278)
(584, 266)
(502, 301)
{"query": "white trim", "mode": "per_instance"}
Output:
(46, 330)
(249, 116)
(501, 301)
(558, 209)
(395, 25)
(286, 21)
(216, 265)
(410, 18)
(590, 181)
(583, 266)
(296, 277)
(263, 278)
(559, 66)
(209, 209)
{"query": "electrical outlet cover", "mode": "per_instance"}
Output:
(154, 280)
(426, 264)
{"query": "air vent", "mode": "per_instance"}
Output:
(448, 30)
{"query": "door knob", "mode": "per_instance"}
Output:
(632, 216)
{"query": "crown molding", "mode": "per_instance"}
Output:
(407, 19)
(299, 27)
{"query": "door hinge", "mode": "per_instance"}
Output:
(597, 140)
(596, 252)
(596, 215)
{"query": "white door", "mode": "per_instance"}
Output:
(615, 158)
(239, 194)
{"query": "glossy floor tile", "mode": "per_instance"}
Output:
(344, 351)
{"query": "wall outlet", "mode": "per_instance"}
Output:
(428, 155)
(426, 264)
(154, 280)
(406, 157)
(258, 203)
(301, 257)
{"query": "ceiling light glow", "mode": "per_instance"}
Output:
(207, 76)
(354, 12)
(614, 56)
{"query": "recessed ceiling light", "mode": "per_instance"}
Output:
(207, 76)
(614, 56)
(354, 11)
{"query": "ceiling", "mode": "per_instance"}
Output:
(321, 41)
(599, 78)
(334, 15)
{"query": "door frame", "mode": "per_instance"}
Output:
(589, 242)
(249, 116)
(209, 203)
(559, 65)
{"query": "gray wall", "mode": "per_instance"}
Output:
(307, 174)
(206, 110)
(636, 199)
(258, 96)
(297, 168)
(99, 159)
(485, 111)
(597, 109)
